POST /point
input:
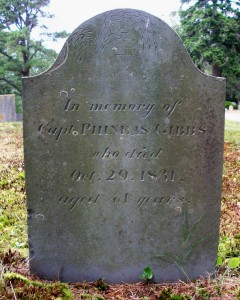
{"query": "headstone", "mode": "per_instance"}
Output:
(123, 151)
(7, 109)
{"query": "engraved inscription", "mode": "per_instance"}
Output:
(140, 201)
(169, 200)
(69, 104)
(143, 154)
(170, 109)
(73, 201)
(146, 108)
(180, 130)
(163, 175)
(86, 129)
(119, 199)
(125, 175)
(131, 154)
(106, 154)
(58, 132)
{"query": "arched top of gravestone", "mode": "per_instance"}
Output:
(124, 32)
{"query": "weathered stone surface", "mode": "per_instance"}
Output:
(123, 151)
(8, 110)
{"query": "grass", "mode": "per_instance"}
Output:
(24, 288)
(232, 125)
(232, 132)
(12, 209)
(16, 283)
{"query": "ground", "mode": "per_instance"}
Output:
(16, 283)
(11, 146)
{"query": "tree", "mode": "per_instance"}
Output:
(20, 55)
(210, 30)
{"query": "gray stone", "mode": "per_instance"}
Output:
(123, 150)
(8, 110)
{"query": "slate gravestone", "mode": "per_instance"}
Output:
(123, 151)
(7, 109)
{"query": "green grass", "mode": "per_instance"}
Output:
(232, 132)
(25, 288)
(9, 125)
(232, 125)
(13, 217)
